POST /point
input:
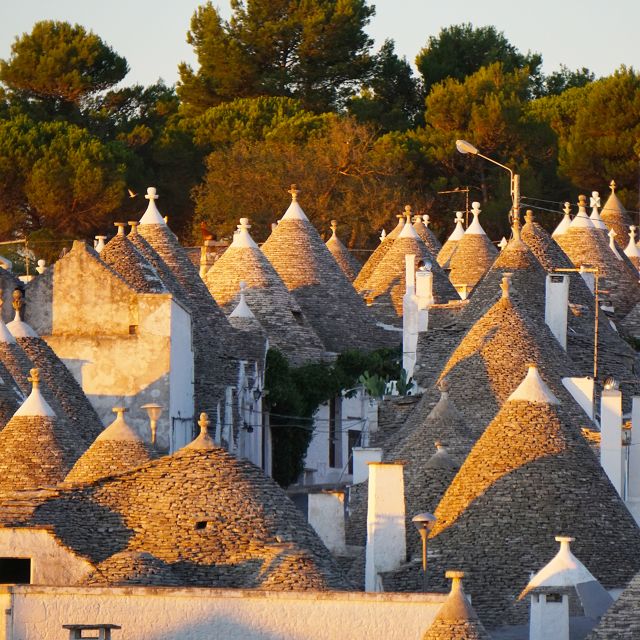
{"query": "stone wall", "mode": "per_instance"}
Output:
(145, 613)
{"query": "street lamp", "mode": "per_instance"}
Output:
(465, 147)
(424, 522)
(154, 411)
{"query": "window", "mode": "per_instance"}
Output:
(202, 524)
(15, 570)
(354, 441)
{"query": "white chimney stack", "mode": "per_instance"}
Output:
(556, 306)
(362, 456)
(386, 542)
(325, 513)
(409, 318)
(611, 434)
(633, 481)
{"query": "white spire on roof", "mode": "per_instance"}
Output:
(612, 243)
(35, 404)
(475, 228)
(99, 243)
(242, 309)
(534, 389)
(294, 212)
(565, 223)
(383, 235)
(121, 226)
(17, 327)
(242, 238)
(458, 231)
(564, 570)
(204, 440)
(408, 231)
(152, 215)
(426, 220)
(334, 227)
(632, 248)
(119, 429)
(503, 243)
(594, 203)
(5, 334)
(582, 220)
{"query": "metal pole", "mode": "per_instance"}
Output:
(515, 194)
(423, 534)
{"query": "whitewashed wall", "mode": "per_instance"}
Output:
(38, 613)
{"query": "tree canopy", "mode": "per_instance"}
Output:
(314, 50)
(61, 65)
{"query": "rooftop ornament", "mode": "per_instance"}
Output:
(99, 244)
(424, 522)
(465, 147)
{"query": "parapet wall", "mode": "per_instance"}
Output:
(155, 613)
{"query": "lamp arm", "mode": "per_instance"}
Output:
(500, 165)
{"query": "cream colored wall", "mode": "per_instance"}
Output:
(51, 562)
(202, 614)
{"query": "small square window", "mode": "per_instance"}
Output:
(15, 571)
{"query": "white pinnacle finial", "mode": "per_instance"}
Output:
(612, 243)
(242, 310)
(503, 243)
(567, 208)
(475, 228)
(595, 214)
(383, 235)
(334, 227)
(582, 220)
(631, 250)
(594, 201)
(612, 186)
(121, 226)
(534, 389)
(294, 212)
(35, 404)
(426, 219)
(459, 217)
(99, 243)
(242, 238)
(204, 440)
(152, 215)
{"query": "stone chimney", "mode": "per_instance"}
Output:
(556, 306)
(611, 433)
(386, 542)
(362, 456)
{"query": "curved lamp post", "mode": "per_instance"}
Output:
(154, 411)
(424, 522)
(465, 147)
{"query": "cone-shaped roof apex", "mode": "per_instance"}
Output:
(242, 309)
(35, 404)
(582, 220)
(119, 429)
(594, 203)
(533, 389)
(458, 230)
(242, 238)
(294, 212)
(631, 249)
(475, 228)
(565, 223)
(204, 440)
(152, 215)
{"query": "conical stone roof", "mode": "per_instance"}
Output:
(565, 223)
(387, 283)
(213, 519)
(474, 254)
(37, 448)
(116, 450)
(266, 295)
(587, 246)
(631, 250)
(622, 620)
(421, 225)
(530, 477)
(615, 216)
(449, 247)
(349, 265)
(125, 259)
(360, 283)
(327, 299)
(457, 619)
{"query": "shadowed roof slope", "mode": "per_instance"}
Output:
(123, 257)
(474, 254)
(360, 283)
(345, 260)
(215, 520)
(327, 299)
(622, 620)
(528, 478)
(267, 296)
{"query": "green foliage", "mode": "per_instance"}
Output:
(559, 81)
(61, 65)
(59, 176)
(461, 50)
(390, 97)
(294, 395)
(312, 50)
(342, 175)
